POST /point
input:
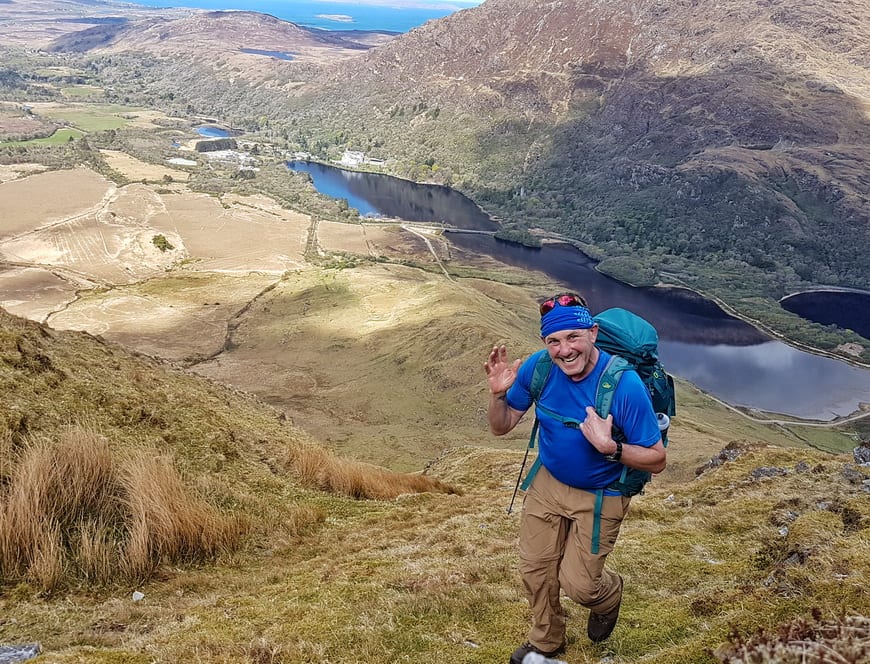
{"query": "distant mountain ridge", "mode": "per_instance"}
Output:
(582, 46)
(679, 131)
(209, 31)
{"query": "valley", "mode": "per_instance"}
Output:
(544, 148)
(317, 378)
(235, 252)
(354, 331)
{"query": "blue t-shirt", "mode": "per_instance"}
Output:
(564, 451)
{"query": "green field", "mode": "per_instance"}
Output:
(91, 118)
(82, 118)
(60, 136)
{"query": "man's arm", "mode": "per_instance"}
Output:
(502, 418)
(652, 459)
(500, 375)
(598, 433)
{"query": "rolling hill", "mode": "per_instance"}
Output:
(277, 392)
(715, 145)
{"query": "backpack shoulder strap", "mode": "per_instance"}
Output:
(607, 383)
(543, 364)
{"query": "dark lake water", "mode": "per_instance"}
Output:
(720, 354)
(847, 309)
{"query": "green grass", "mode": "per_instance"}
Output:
(59, 137)
(89, 119)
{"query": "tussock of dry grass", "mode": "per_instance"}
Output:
(845, 640)
(71, 510)
(165, 522)
(318, 468)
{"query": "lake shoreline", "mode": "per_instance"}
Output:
(701, 341)
(547, 236)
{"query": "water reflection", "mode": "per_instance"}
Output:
(771, 376)
(384, 196)
(212, 132)
(720, 354)
(677, 313)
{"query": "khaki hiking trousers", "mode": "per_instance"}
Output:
(556, 552)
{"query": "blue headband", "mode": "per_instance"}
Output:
(565, 318)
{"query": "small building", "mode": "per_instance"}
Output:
(352, 158)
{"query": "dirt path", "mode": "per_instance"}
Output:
(419, 232)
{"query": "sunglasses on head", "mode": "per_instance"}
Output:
(563, 300)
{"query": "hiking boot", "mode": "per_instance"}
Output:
(600, 625)
(520, 653)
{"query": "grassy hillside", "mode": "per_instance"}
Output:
(106, 451)
(384, 363)
(424, 572)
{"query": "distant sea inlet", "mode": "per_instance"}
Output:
(331, 15)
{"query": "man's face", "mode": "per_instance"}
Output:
(573, 351)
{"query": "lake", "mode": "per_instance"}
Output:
(278, 55)
(699, 342)
(847, 309)
(210, 131)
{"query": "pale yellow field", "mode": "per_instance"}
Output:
(34, 292)
(351, 238)
(246, 236)
(56, 249)
(374, 239)
(108, 253)
(39, 200)
(177, 317)
(15, 171)
(138, 170)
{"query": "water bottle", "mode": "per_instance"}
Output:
(538, 658)
(664, 423)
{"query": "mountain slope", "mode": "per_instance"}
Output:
(580, 45)
(227, 443)
(761, 537)
(719, 141)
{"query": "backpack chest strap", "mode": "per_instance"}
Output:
(570, 422)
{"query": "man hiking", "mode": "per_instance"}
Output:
(571, 513)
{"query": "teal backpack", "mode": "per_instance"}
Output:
(633, 343)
